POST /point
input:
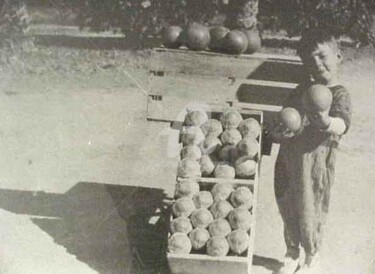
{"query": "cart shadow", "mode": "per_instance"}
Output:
(268, 263)
(279, 71)
(111, 228)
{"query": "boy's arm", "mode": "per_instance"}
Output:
(341, 112)
(337, 120)
(336, 126)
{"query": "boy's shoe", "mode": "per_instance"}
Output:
(290, 265)
(311, 266)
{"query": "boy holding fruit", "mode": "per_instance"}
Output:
(309, 129)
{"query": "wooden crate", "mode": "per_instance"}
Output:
(258, 81)
(257, 66)
(205, 264)
(261, 80)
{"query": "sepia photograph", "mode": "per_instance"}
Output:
(187, 137)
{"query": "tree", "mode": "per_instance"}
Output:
(242, 14)
(14, 21)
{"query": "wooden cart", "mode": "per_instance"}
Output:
(255, 84)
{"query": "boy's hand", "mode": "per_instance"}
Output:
(320, 120)
(280, 132)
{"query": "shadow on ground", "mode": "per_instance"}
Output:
(279, 71)
(111, 228)
(268, 263)
(96, 43)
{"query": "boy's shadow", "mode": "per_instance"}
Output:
(268, 263)
(111, 228)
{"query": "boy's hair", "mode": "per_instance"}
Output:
(310, 38)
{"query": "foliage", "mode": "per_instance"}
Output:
(353, 18)
(14, 18)
(143, 17)
(14, 22)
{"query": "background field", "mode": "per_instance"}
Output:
(83, 174)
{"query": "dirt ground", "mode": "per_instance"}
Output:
(84, 174)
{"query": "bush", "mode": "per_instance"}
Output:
(139, 18)
(353, 18)
(14, 22)
(14, 18)
(134, 17)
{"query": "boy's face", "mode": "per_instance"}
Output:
(321, 63)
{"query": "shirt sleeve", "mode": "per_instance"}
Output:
(341, 106)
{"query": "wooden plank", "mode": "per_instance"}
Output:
(179, 91)
(172, 108)
(257, 66)
(207, 181)
(193, 88)
(208, 265)
(256, 55)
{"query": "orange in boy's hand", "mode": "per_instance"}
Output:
(290, 118)
(317, 98)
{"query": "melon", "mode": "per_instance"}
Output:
(229, 154)
(191, 151)
(235, 42)
(210, 145)
(221, 191)
(219, 227)
(212, 128)
(242, 197)
(254, 41)
(250, 127)
(238, 241)
(201, 217)
(248, 146)
(220, 209)
(188, 168)
(230, 118)
(245, 167)
(317, 98)
(171, 36)
(224, 171)
(195, 118)
(197, 36)
(181, 224)
(183, 207)
(290, 118)
(207, 165)
(217, 246)
(179, 243)
(203, 199)
(240, 218)
(217, 35)
(231, 137)
(199, 237)
(191, 136)
(186, 188)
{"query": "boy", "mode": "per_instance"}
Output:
(304, 169)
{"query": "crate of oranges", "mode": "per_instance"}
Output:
(212, 224)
